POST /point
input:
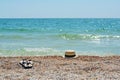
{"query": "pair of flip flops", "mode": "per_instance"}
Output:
(26, 63)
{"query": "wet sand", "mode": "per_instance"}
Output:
(59, 68)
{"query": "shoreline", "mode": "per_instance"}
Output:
(57, 68)
(62, 55)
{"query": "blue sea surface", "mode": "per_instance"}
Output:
(52, 36)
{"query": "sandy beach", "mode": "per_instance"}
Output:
(60, 68)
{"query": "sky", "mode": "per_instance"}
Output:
(59, 8)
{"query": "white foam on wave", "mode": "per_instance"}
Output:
(1, 53)
(38, 49)
(44, 51)
(88, 36)
(31, 52)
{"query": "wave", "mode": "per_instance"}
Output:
(87, 36)
(20, 29)
(47, 52)
(11, 37)
(30, 52)
(59, 36)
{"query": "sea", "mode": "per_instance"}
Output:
(53, 36)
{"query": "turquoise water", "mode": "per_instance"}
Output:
(54, 36)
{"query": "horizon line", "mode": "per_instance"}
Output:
(59, 18)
